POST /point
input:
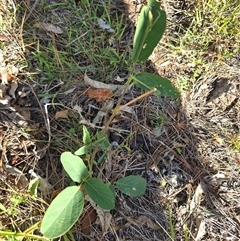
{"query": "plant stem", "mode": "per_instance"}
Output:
(137, 98)
(104, 131)
(24, 235)
(171, 223)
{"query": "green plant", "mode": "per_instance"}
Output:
(15, 200)
(150, 28)
(13, 211)
(66, 208)
(172, 232)
(235, 142)
(27, 234)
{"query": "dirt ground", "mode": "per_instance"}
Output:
(186, 149)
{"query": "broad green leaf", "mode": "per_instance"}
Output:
(132, 186)
(150, 28)
(149, 81)
(63, 212)
(102, 141)
(32, 187)
(86, 135)
(81, 151)
(101, 193)
(102, 158)
(74, 166)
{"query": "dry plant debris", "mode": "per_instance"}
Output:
(188, 150)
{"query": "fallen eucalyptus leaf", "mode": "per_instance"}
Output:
(105, 217)
(69, 91)
(100, 94)
(14, 86)
(49, 27)
(63, 114)
(201, 227)
(117, 89)
(119, 79)
(20, 180)
(103, 25)
(4, 75)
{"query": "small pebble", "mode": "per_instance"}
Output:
(125, 125)
(140, 138)
(134, 145)
(115, 144)
(114, 137)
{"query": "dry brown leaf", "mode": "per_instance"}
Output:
(2, 92)
(238, 162)
(89, 217)
(1, 58)
(142, 220)
(4, 38)
(26, 114)
(55, 193)
(197, 197)
(63, 114)
(105, 217)
(99, 95)
(13, 71)
(5, 75)
(16, 177)
(103, 25)
(201, 227)
(117, 89)
(49, 27)
(14, 86)
(218, 139)
(119, 79)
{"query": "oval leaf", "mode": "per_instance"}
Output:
(150, 28)
(101, 193)
(63, 212)
(81, 151)
(149, 81)
(74, 166)
(132, 186)
(32, 188)
(86, 135)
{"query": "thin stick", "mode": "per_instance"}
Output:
(137, 98)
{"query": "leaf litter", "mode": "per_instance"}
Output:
(100, 94)
(116, 89)
(102, 24)
(49, 27)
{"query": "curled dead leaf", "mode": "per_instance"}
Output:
(55, 193)
(143, 220)
(89, 217)
(104, 217)
(63, 114)
(4, 38)
(100, 94)
(49, 27)
(117, 89)
(5, 77)
(14, 86)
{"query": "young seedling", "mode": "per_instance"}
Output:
(67, 207)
